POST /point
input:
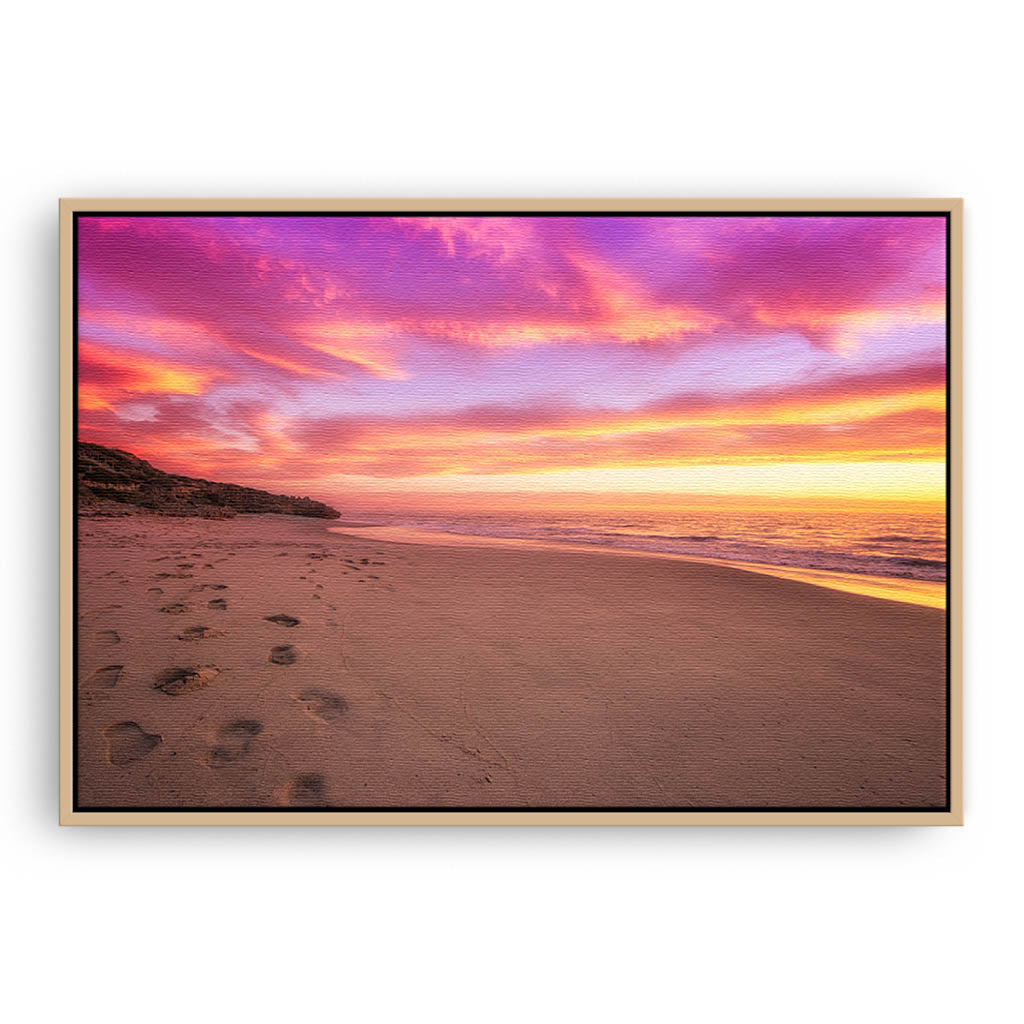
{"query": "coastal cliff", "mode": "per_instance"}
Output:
(115, 482)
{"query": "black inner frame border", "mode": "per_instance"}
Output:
(644, 809)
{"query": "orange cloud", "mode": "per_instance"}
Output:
(291, 365)
(894, 415)
(137, 373)
(355, 343)
(844, 330)
(613, 307)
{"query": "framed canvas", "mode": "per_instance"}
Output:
(511, 512)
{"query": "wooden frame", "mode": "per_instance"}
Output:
(953, 815)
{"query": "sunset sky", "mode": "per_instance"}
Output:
(334, 356)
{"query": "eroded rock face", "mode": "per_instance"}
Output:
(115, 482)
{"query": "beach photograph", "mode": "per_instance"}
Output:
(531, 511)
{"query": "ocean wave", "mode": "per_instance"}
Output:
(822, 543)
(920, 563)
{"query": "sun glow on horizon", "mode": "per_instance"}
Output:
(881, 481)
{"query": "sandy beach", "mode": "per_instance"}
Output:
(267, 661)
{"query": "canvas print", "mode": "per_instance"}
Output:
(511, 511)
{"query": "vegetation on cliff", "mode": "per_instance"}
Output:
(115, 482)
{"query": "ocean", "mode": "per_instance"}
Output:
(897, 542)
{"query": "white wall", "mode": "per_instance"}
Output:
(771, 99)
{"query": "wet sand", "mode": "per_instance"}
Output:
(924, 592)
(265, 661)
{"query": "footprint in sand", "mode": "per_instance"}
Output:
(174, 609)
(128, 741)
(107, 676)
(234, 740)
(173, 576)
(100, 611)
(306, 790)
(209, 586)
(283, 655)
(323, 704)
(155, 590)
(218, 603)
(176, 681)
(107, 637)
(199, 633)
(282, 620)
